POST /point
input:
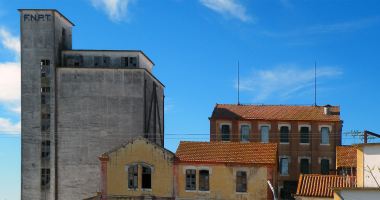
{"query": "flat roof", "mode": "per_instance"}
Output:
(47, 10)
(139, 51)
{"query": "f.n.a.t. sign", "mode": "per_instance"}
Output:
(37, 17)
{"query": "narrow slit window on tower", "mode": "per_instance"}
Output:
(63, 32)
(45, 149)
(45, 95)
(45, 177)
(45, 68)
(132, 176)
(45, 122)
(146, 178)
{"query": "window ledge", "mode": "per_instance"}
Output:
(284, 174)
(304, 143)
(264, 142)
(284, 142)
(136, 189)
(325, 144)
(203, 191)
(146, 189)
(241, 193)
(191, 191)
(225, 141)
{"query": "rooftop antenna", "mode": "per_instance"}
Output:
(238, 85)
(315, 83)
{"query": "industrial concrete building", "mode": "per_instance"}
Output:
(77, 104)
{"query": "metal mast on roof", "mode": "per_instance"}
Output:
(315, 83)
(238, 85)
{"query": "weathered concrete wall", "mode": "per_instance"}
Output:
(98, 109)
(222, 182)
(39, 37)
(109, 59)
(140, 151)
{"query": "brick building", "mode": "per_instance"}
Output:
(307, 136)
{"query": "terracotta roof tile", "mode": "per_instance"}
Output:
(315, 185)
(274, 112)
(346, 156)
(227, 152)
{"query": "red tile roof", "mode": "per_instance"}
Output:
(227, 152)
(274, 112)
(315, 185)
(346, 156)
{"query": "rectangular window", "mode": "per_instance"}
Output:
(190, 179)
(264, 134)
(132, 176)
(245, 133)
(304, 134)
(45, 68)
(304, 166)
(97, 61)
(241, 181)
(45, 122)
(203, 180)
(325, 167)
(146, 177)
(284, 130)
(45, 177)
(325, 135)
(45, 95)
(284, 166)
(45, 149)
(225, 133)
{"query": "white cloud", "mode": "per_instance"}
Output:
(10, 73)
(7, 126)
(117, 10)
(283, 81)
(228, 7)
(9, 41)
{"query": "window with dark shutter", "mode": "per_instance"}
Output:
(304, 166)
(304, 134)
(225, 133)
(325, 167)
(284, 134)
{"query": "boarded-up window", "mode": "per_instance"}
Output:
(304, 134)
(284, 166)
(45, 149)
(264, 134)
(325, 135)
(245, 133)
(190, 179)
(241, 182)
(132, 176)
(45, 95)
(284, 134)
(225, 133)
(203, 180)
(304, 166)
(45, 177)
(146, 177)
(325, 167)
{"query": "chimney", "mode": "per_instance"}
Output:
(327, 109)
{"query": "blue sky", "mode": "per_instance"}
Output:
(196, 46)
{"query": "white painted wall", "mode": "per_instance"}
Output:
(364, 195)
(371, 162)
